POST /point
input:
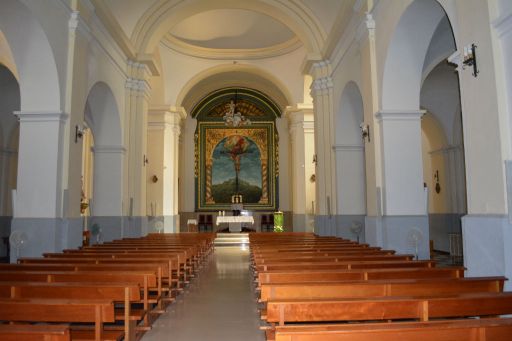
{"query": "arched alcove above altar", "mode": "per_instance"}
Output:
(236, 150)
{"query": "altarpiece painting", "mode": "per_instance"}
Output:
(236, 160)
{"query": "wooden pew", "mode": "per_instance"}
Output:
(174, 262)
(346, 265)
(124, 293)
(389, 308)
(98, 312)
(380, 288)
(489, 329)
(142, 279)
(297, 276)
(28, 332)
(342, 258)
(166, 282)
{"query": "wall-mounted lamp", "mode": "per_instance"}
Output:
(314, 159)
(469, 58)
(79, 132)
(436, 178)
(365, 131)
(145, 160)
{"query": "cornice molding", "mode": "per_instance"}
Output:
(348, 147)
(182, 47)
(399, 115)
(41, 116)
(109, 149)
(446, 150)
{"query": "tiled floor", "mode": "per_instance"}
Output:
(218, 305)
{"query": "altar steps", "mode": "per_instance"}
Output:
(231, 239)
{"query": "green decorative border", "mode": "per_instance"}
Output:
(272, 167)
(266, 104)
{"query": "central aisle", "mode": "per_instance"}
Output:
(217, 305)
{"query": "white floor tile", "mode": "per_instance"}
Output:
(217, 305)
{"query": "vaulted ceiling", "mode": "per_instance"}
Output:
(257, 25)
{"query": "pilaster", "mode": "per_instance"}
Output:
(301, 135)
(137, 93)
(164, 129)
(322, 93)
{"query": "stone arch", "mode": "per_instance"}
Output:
(33, 57)
(235, 75)
(405, 57)
(162, 15)
(350, 160)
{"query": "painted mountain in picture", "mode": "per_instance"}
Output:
(236, 168)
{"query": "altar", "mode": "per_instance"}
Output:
(235, 222)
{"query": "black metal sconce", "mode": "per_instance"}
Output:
(79, 132)
(469, 58)
(436, 178)
(365, 131)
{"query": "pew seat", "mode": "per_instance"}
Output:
(97, 312)
(31, 332)
(490, 329)
(378, 288)
(389, 308)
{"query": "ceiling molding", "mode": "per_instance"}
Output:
(182, 47)
(110, 22)
(157, 21)
(346, 13)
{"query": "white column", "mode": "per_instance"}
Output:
(300, 125)
(38, 204)
(404, 207)
(163, 133)
(39, 188)
(322, 93)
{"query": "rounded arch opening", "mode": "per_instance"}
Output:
(103, 153)
(350, 161)
(9, 137)
(406, 54)
(9, 141)
(33, 57)
(223, 76)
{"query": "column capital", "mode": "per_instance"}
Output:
(320, 69)
(321, 85)
(161, 117)
(365, 29)
(106, 149)
(399, 115)
(300, 116)
(77, 23)
(41, 116)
